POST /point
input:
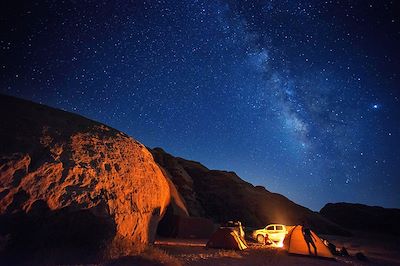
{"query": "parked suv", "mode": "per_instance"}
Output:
(273, 233)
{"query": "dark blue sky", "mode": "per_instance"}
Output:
(301, 97)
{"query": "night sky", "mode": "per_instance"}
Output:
(301, 97)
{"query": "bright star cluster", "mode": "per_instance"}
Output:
(301, 97)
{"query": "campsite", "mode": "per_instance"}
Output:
(379, 250)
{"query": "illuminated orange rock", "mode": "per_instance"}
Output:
(63, 175)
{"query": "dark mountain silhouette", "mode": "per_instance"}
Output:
(363, 218)
(222, 196)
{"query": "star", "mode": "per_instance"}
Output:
(376, 106)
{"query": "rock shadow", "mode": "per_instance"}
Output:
(65, 236)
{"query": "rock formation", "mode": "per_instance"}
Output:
(223, 196)
(69, 182)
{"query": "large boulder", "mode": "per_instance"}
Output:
(72, 184)
(223, 196)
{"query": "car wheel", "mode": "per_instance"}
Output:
(260, 239)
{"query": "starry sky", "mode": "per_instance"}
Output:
(301, 97)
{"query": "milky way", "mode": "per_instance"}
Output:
(301, 97)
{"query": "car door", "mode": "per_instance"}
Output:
(270, 229)
(274, 234)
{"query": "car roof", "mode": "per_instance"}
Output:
(275, 224)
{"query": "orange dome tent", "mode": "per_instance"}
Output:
(226, 238)
(303, 241)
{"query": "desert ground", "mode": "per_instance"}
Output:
(378, 249)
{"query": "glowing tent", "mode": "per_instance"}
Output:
(226, 238)
(303, 241)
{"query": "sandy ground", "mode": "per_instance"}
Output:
(379, 251)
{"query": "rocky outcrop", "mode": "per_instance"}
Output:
(363, 218)
(69, 182)
(181, 179)
(223, 196)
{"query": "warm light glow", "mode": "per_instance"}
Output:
(272, 233)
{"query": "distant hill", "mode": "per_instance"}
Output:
(222, 196)
(364, 218)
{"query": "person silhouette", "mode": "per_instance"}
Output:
(309, 238)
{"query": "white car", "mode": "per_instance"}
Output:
(275, 233)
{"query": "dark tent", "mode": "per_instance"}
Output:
(226, 238)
